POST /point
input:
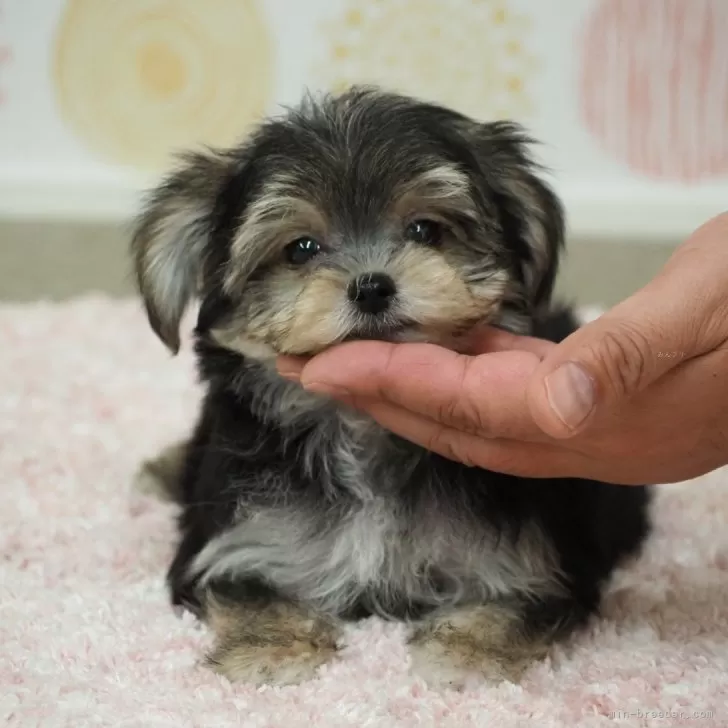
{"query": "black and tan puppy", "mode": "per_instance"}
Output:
(366, 215)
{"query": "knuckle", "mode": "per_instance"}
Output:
(462, 409)
(474, 414)
(443, 442)
(622, 358)
(440, 443)
(449, 411)
(390, 373)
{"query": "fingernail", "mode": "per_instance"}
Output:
(570, 391)
(341, 395)
(293, 375)
(290, 367)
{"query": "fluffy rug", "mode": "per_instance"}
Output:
(87, 636)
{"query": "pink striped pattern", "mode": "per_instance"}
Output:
(654, 85)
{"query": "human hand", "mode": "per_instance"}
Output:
(638, 396)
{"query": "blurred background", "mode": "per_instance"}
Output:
(628, 97)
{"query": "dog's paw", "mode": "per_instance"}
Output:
(148, 483)
(467, 646)
(284, 659)
(442, 668)
(276, 644)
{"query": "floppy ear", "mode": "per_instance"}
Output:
(531, 215)
(170, 238)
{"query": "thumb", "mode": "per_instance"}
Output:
(607, 362)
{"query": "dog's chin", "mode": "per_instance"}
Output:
(456, 339)
(400, 332)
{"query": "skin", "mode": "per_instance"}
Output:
(649, 399)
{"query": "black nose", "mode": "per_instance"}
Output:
(372, 292)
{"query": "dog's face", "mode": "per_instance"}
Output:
(368, 215)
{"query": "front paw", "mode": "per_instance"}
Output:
(463, 648)
(439, 669)
(285, 663)
(278, 645)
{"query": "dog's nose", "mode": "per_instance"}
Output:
(372, 292)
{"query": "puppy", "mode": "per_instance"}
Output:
(364, 215)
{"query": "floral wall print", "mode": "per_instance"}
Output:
(469, 54)
(137, 79)
(654, 85)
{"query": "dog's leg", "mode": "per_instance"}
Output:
(160, 476)
(268, 641)
(496, 641)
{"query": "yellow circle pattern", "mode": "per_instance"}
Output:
(139, 79)
(468, 54)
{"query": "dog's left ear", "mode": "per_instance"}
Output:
(170, 239)
(531, 216)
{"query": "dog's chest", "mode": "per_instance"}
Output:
(365, 542)
(370, 553)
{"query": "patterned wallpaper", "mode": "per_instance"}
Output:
(654, 85)
(620, 91)
(420, 46)
(135, 78)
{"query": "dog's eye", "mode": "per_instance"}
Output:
(426, 232)
(300, 251)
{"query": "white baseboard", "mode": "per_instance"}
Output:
(630, 215)
(72, 201)
(641, 215)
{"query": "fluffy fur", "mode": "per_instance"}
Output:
(366, 215)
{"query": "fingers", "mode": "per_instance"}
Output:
(490, 339)
(511, 457)
(484, 395)
(486, 340)
(603, 365)
(680, 314)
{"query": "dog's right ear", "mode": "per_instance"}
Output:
(170, 238)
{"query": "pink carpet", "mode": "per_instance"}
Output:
(87, 636)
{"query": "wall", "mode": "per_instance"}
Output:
(629, 97)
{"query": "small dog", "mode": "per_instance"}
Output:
(364, 215)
